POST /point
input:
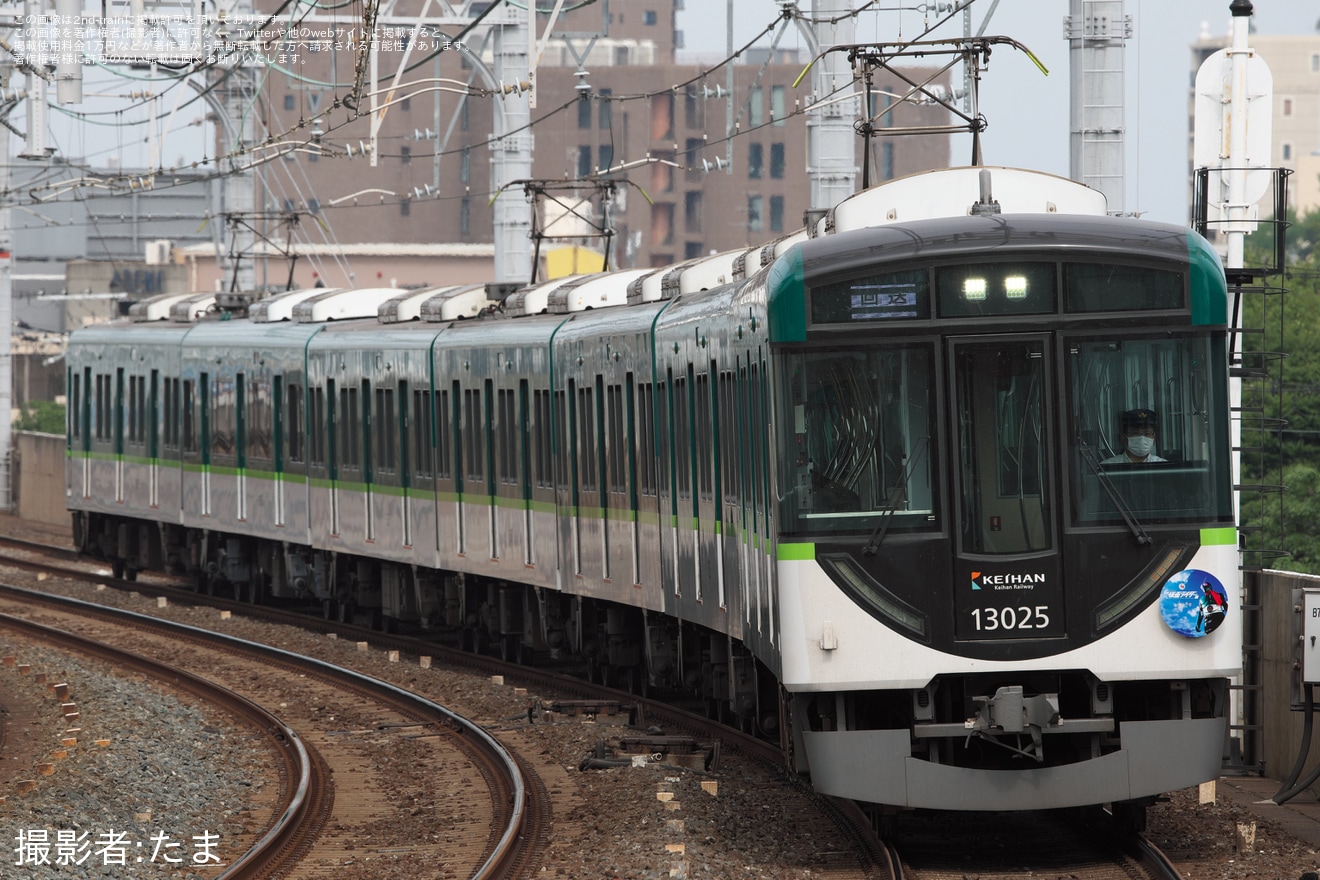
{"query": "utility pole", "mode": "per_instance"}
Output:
(831, 140)
(1097, 31)
(511, 150)
(6, 320)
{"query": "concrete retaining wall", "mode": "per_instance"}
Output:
(39, 477)
(1280, 675)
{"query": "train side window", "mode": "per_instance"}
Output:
(365, 431)
(153, 431)
(189, 422)
(75, 404)
(472, 423)
(615, 447)
(334, 451)
(168, 414)
(385, 422)
(219, 414)
(682, 434)
(241, 419)
(568, 451)
(508, 435)
(646, 438)
(704, 438)
(559, 416)
(754, 445)
(277, 424)
(586, 439)
(319, 429)
(421, 433)
(488, 437)
(665, 435)
(444, 433)
(133, 408)
(261, 426)
(204, 416)
(543, 430)
(728, 481)
(294, 421)
(349, 450)
(118, 428)
(525, 434)
(403, 427)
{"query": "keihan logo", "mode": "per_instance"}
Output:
(975, 585)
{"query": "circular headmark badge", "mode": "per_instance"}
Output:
(1193, 603)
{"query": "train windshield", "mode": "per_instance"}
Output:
(1149, 432)
(859, 448)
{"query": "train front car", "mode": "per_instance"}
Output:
(1006, 533)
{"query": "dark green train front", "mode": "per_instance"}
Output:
(985, 588)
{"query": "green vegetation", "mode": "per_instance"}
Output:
(41, 415)
(1289, 454)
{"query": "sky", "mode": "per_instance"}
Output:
(1033, 132)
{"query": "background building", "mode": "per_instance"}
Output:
(629, 113)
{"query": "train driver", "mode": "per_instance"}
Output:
(1137, 431)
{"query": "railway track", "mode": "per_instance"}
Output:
(901, 858)
(504, 837)
(1078, 845)
(306, 789)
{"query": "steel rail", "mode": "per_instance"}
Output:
(506, 848)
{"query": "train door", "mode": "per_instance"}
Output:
(1008, 582)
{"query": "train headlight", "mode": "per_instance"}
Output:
(1015, 287)
(974, 289)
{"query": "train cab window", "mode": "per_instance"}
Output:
(1099, 287)
(1150, 441)
(856, 448)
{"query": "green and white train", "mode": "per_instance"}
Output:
(862, 489)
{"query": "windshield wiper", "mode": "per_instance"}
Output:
(1115, 497)
(878, 536)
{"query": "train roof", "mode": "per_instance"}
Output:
(971, 236)
(950, 192)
